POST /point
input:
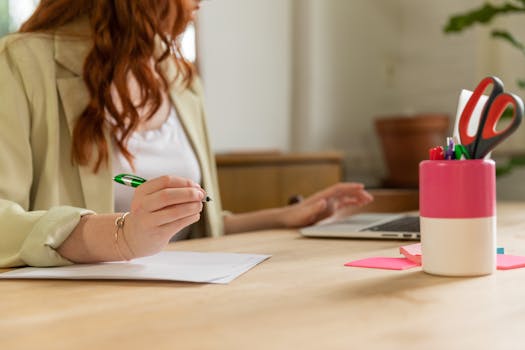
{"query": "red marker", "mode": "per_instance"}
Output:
(436, 153)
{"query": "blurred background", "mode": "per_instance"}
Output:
(13, 13)
(314, 75)
(311, 75)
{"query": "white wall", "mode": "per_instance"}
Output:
(311, 75)
(434, 67)
(375, 58)
(245, 62)
(347, 57)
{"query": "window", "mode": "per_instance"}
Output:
(13, 13)
(189, 49)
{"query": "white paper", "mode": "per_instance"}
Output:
(168, 266)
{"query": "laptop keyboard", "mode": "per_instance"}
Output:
(403, 224)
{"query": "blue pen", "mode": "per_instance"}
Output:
(449, 152)
(135, 181)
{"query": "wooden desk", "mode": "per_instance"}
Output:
(302, 298)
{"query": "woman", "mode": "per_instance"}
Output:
(97, 87)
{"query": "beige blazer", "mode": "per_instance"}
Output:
(42, 194)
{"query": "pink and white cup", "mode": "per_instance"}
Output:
(457, 204)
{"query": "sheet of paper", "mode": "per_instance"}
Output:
(383, 263)
(169, 266)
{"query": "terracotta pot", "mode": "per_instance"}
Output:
(405, 141)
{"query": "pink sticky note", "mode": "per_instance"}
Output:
(508, 262)
(412, 252)
(383, 263)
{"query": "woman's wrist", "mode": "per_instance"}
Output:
(258, 220)
(121, 243)
(276, 217)
(282, 215)
(92, 240)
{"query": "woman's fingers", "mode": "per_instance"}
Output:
(358, 199)
(343, 190)
(338, 190)
(148, 233)
(174, 213)
(169, 230)
(364, 197)
(160, 208)
(166, 181)
(328, 202)
(165, 191)
(171, 196)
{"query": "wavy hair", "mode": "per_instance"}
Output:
(124, 34)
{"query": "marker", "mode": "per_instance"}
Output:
(129, 180)
(135, 181)
(449, 149)
(461, 151)
(436, 153)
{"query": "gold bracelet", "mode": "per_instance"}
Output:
(119, 222)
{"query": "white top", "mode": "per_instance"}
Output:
(157, 152)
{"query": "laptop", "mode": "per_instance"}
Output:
(368, 225)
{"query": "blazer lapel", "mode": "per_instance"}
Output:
(70, 53)
(188, 106)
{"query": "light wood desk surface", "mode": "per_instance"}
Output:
(301, 298)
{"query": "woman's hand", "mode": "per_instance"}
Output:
(160, 208)
(343, 196)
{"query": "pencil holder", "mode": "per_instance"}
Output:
(457, 203)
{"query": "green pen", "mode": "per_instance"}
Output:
(136, 181)
(129, 180)
(460, 150)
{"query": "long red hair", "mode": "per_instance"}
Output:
(123, 33)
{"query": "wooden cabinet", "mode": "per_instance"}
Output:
(264, 180)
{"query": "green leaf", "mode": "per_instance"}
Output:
(481, 15)
(503, 170)
(508, 166)
(508, 113)
(521, 82)
(517, 160)
(506, 36)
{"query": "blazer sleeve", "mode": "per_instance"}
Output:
(27, 237)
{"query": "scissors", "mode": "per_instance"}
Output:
(487, 137)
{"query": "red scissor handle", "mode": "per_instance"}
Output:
(467, 140)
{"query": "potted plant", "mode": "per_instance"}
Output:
(405, 141)
(484, 15)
